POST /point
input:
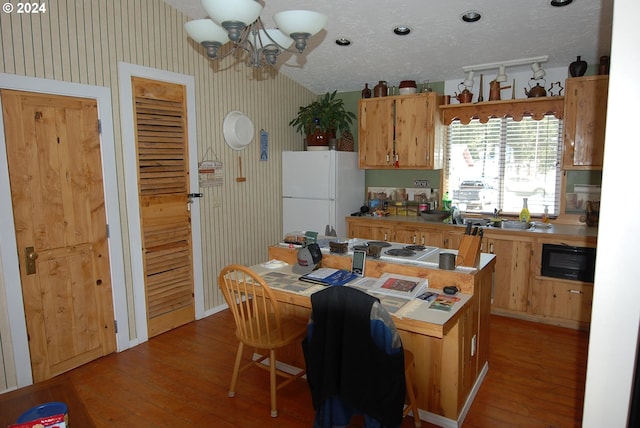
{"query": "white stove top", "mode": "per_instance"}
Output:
(394, 251)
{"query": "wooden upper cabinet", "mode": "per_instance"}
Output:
(402, 132)
(585, 114)
(375, 132)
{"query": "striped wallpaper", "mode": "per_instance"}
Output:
(82, 41)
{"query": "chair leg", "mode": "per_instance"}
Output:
(272, 382)
(412, 399)
(236, 368)
(409, 367)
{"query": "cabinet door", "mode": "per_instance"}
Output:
(382, 233)
(585, 112)
(569, 300)
(511, 287)
(372, 232)
(406, 235)
(375, 133)
(360, 231)
(412, 145)
(452, 240)
(431, 238)
(417, 125)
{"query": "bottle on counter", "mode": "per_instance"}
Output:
(446, 202)
(545, 215)
(525, 215)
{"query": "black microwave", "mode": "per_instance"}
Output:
(567, 262)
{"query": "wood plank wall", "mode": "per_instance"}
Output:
(82, 41)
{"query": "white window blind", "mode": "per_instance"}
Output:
(495, 165)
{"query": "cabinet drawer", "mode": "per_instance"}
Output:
(569, 300)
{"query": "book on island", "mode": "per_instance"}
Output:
(407, 287)
(329, 276)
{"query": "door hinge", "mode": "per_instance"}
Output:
(99, 127)
(115, 325)
(108, 233)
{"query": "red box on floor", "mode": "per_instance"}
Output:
(56, 421)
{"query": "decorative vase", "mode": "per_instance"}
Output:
(366, 92)
(380, 90)
(578, 67)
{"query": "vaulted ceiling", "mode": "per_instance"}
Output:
(440, 43)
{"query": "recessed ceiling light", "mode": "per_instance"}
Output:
(558, 3)
(343, 41)
(402, 30)
(471, 16)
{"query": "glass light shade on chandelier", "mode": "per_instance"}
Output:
(239, 21)
(208, 34)
(232, 15)
(300, 25)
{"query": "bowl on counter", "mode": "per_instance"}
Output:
(434, 215)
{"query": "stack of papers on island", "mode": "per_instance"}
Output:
(329, 276)
(406, 287)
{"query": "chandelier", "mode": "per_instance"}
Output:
(238, 22)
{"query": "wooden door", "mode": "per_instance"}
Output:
(55, 169)
(163, 181)
(375, 133)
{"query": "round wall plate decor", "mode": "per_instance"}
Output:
(237, 129)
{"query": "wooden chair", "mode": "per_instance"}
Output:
(259, 324)
(409, 367)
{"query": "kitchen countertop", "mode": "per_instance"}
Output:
(557, 230)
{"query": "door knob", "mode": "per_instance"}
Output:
(31, 256)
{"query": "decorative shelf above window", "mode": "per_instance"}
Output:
(534, 107)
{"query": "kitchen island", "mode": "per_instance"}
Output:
(520, 290)
(451, 355)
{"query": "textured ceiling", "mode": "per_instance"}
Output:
(440, 43)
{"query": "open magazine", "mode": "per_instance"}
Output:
(407, 287)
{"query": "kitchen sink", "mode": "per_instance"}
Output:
(518, 225)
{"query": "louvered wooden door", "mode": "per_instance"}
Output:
(55, 168)
(163, 183)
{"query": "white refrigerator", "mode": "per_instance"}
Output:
(320, 189)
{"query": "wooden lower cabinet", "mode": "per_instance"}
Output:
(451, 240)
(562, 299)
(366, 231)
(513, 258)
(419, 236)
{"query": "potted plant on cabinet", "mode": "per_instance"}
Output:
(322, 119)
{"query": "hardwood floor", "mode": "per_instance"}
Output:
(180, 379)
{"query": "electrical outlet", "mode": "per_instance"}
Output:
(473, 345)
(421, 183)
(217, 202)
